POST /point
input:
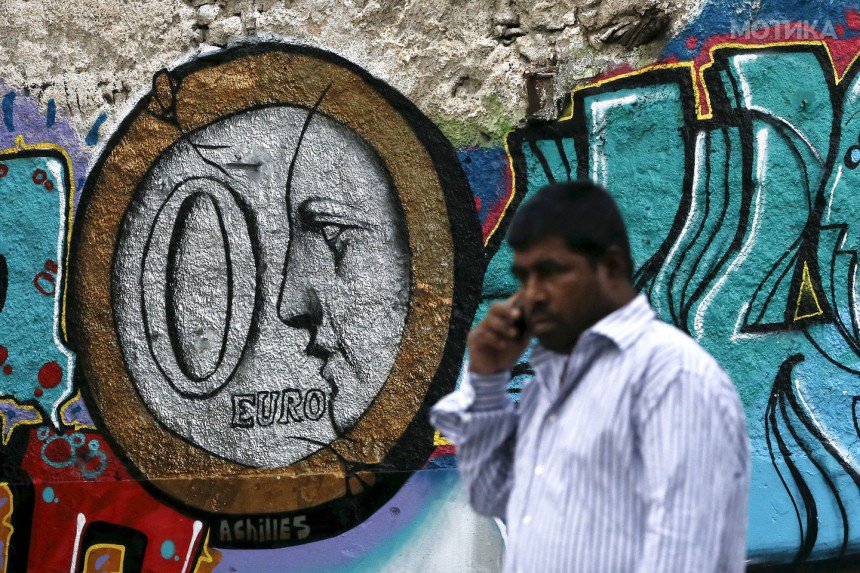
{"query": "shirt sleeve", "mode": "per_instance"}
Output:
(695, 460)
(482, 421)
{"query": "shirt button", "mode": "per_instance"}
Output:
(527, 519)
(539, 470)
(551, 418)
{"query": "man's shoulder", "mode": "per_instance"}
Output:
(670, 343)
(674, 355)
(682, 381)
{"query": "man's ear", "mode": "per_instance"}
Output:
(616, 263)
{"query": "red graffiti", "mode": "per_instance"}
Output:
(841, 50)
(4, 169)
(59, 451)
(497, 211)
(852, 19)
(112, 497)
(45, 277)
(4, 355)
(50, 374)
(41, 178)
(49, 275)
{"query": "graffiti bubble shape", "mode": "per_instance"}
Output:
(63, 450)
(35, 366)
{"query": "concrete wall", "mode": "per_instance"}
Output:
(242, 244)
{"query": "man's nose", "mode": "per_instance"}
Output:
(532, 293)
(297, 304)
(301, 306)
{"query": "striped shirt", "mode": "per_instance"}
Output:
(628, 454)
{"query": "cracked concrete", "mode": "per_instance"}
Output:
(468, 64)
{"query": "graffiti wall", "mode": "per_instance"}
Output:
(739, 190)
(227, 305)
(265, 254)
(227, 342)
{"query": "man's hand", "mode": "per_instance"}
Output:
(499, 340)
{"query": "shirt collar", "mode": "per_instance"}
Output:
(624, 326)
(621, 327)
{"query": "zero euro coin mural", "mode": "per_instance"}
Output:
(274, 266)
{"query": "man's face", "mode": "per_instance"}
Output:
(561, 292)
(347, 269)
(287, 279)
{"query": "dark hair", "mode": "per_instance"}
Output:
(580, 212)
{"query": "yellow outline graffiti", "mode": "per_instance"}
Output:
(440, 440)
(698, 79)
(6, 430)
(207, 557)
(92, 548)
(806, 289)
(21, 145)
(7, 523)
(74, 424)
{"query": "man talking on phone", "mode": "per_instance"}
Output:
(628, 451)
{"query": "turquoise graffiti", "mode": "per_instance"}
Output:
(744, 225)
(35, 366)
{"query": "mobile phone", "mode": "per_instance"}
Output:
(520, 323)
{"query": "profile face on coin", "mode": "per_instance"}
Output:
(271, 276)
(274, 266)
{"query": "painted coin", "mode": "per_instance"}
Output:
(274, 266)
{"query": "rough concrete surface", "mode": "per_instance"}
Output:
(465, 63)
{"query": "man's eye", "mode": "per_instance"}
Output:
(331, 232)
(336, 234)
(334, 238)
(548, 271)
